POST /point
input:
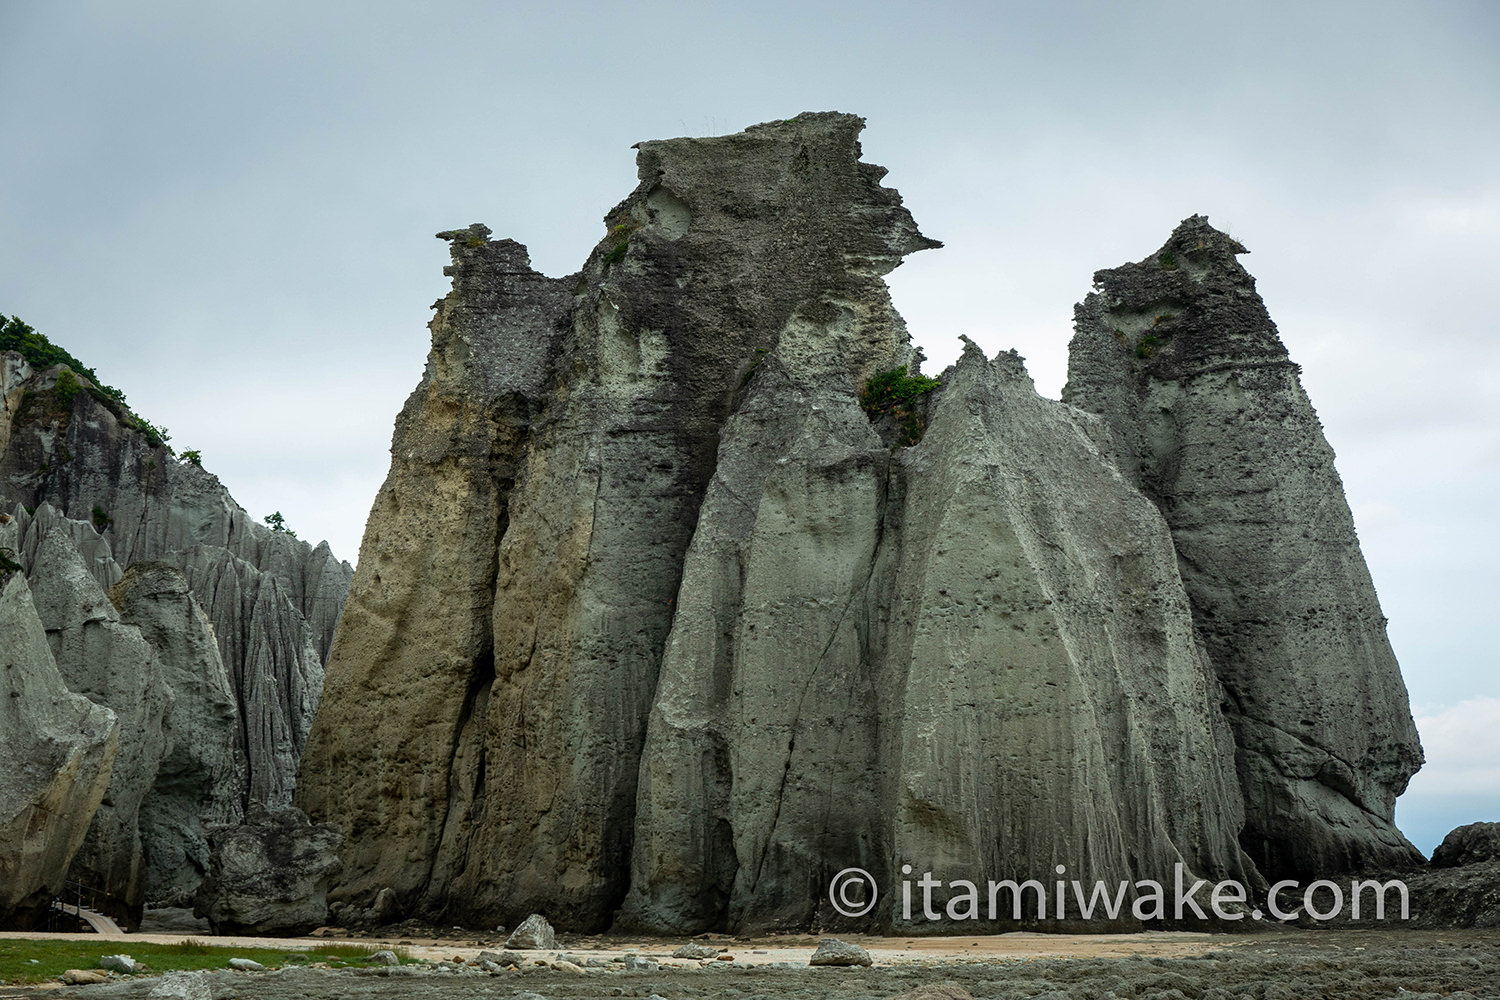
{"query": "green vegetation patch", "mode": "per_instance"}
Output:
(618, 239)
(895, 393)
(41, 353)
(1148, 346)
(890, 389)
(67, 386)
(278, 524)
(38, 961)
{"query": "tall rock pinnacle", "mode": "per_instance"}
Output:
(520, 570)
(1180, 357)
(686, 590)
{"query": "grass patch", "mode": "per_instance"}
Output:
(38, 961)
(618, 239)
(895, 393)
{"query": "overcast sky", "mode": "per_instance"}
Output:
(229, 212)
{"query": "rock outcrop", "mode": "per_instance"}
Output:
(198, 781)
(1179, 356)
(109, 662)
(270, 874)
(521, 564)
(1468, 845)
(147, 651)
(56, 752)
(274, 667)
(101, 504)
(661, 620)
(270, 597)
(907, 655)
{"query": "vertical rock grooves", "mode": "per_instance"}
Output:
(1180, 357)
(772, 240)
(274, 600)
(59, 750)
(656, 625)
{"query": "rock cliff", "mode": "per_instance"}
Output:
(521, 566)
(214, 708)
(1179, 356)
(972, 655)
(71, 446)
(110, 663)
(56, 752)
(198, 780)
(664, 614)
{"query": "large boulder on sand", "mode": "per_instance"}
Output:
(269, 875)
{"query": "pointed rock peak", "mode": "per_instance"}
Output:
(1013, 366)
(973, 354)
(1009, 365)
(476, 235)
(472, 248)
(1195, 230)
(1195, 249)
(790, 171)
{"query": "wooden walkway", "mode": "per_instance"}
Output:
(98, 921)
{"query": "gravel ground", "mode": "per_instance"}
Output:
(1278, 966)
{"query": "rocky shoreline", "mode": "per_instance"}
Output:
(1277, 965)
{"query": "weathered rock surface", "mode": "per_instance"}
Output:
(832, 951)
(1467, 845)
(655, 624)
(32, 527)
(102, 658)
(1180, 357)
(56, 751)
(250, 673)
(149, 652)
(887, 655)
(273, 663)
(90, 459)
(271, 597)
(198, 781)
(520, 566)
(534, 932)
(1466, 895)
(270, 874)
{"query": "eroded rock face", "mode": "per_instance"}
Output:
(1468, 845)
(221, 740)
(905, 655)
(109, 662)
(1180, 357)
(56, 751)
(521, 565)
(198, 780)
(270, 874)
(273, 600)
(655, 624)
(271, 656)
(93, 472)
